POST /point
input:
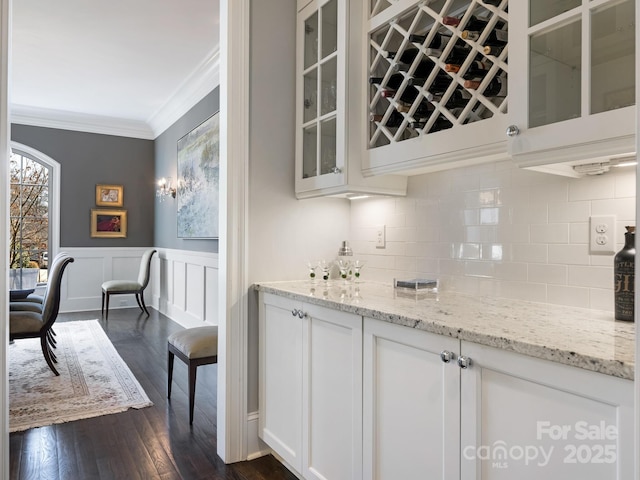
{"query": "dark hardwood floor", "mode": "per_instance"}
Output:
(151, 443)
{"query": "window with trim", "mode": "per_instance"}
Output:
(29, 215)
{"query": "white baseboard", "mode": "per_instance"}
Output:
(256, 447)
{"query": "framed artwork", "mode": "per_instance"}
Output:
(109, 195)
(199, 181)
(108, 223)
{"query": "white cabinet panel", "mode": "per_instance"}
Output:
(527, 418)
(411, 404)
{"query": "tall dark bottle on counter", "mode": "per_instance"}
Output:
(624, 275)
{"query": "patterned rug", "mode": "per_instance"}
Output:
(93, 381)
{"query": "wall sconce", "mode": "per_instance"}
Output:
(165, 189)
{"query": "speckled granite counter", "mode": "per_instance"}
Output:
(584, 338)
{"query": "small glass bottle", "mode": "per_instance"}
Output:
(624, 278)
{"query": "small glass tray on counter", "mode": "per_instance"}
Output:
(416, 288)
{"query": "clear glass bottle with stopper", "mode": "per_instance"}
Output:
(345, 255)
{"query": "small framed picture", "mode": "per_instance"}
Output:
(109, 195)
(108, 223)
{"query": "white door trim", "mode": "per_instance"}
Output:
(233, 252)
(5, 135)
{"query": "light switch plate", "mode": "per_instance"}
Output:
(602, 234)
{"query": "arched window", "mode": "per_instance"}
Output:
(34, 216)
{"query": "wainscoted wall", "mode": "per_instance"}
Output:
(498, 230)
(183, 285)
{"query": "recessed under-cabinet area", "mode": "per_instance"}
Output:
(352, 391)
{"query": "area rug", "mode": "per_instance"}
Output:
(93, 380)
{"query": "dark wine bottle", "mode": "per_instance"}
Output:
(477, 69)
(474, 23)
(458, 99)
(439, 40)
(495, 3)
(408, 95)
(624, 278)
(422, 111)
(407, 56)
(497, 38)
(394, 120)
(492, 50)
(393, 82)
(496, 87)
(440, 78)
(441, 123)
(422, 70)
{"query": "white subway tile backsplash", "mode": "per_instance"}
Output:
(497, 230)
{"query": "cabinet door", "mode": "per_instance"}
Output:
(332, 398)
(528, 418)
(573, 64)
(280, 377)
(320, 98)
(411, 404)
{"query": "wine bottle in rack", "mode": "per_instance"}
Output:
(495, 38)
(477, 69)
(408, 95)
(393, 82)
(458, 53)
(394, 120)
(439, 84)
(422, 70)
(407, 56)
(495, 3)
(424, 109)
(441, 123)
(439, 40)
(458, 99)
(474, 23)
(494, 51)
(497, 87)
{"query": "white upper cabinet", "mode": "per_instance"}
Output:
(573, 66)
(436, 84)
(328, 127)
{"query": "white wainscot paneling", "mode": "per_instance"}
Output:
(186, 286)
(83, 278)
(183, 284)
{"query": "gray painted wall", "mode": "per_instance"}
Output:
(166, 157)
(88, 159)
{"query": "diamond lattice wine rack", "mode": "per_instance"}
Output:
(433, 66)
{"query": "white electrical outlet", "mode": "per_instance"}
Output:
(380, 236)
(602, 234)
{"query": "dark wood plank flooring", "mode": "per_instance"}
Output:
(151, 443)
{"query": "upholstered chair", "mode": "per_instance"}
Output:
(33, 324)
(131, 287)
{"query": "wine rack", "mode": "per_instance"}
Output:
(434, 65)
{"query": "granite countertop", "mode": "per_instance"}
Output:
(589, 339)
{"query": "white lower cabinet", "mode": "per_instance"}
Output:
(411, 404)
(311, 388)
(346, 397)
(526, 418)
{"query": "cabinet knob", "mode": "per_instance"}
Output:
(336, 170)
(512, 131)
(464, 362)
(295, 312)
(446, 356)
(301, 314)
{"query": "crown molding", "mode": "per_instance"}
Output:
(194, 88)
(80, 122)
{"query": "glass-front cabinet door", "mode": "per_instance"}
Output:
(575, 69)
(320, 139)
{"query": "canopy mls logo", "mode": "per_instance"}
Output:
(578, 443)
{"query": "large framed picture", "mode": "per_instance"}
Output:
(108, 223)
(199, 181)
(109, 195)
